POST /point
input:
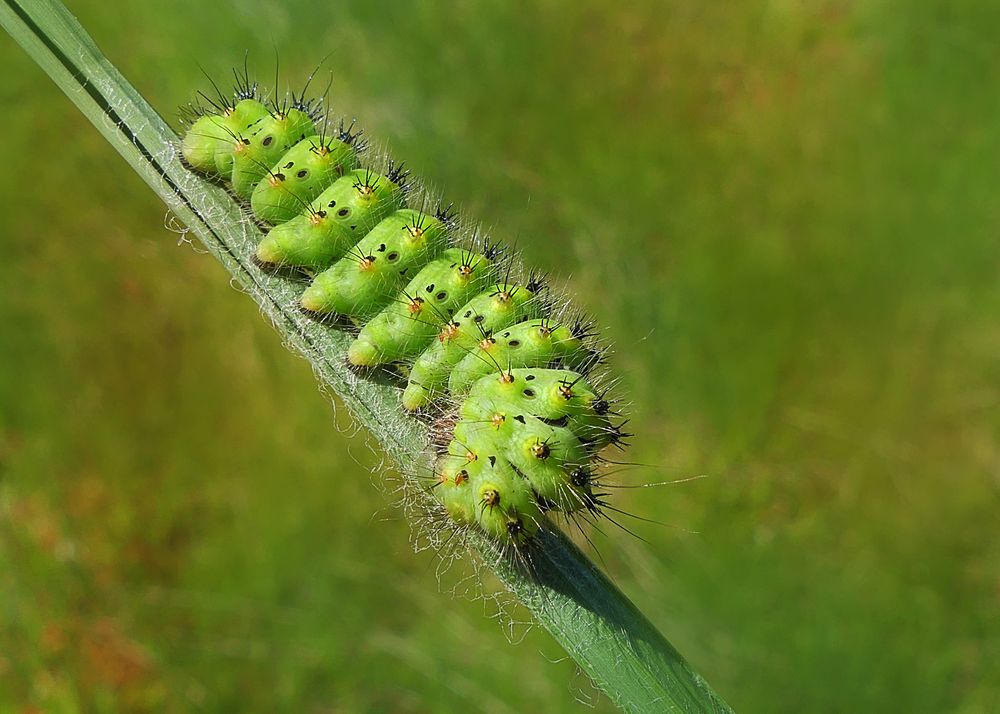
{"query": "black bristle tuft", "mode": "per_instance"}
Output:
(351, 136)
(398, 173)
(536, 281)
(583, 328)
(446, 214)
(491, 249)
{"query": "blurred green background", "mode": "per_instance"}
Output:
(785, 212)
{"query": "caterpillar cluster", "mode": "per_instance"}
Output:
(526, 434)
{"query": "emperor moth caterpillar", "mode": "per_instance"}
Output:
(527, 421)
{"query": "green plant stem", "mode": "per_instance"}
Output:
(597, 625)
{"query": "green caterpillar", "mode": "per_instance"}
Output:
(444, 312)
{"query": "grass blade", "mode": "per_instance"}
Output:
(597, 625)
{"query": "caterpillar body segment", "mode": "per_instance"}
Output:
(488, 493)
(499, 306)
(557, 396)
(540, 425)
(209, 136)
(245, 114)
(205, 137)
(298, 177)
(543, 453)
(452, 473)
(209, 144)
(531, 343)
(377, 268)
(335, 220)
(405, 328)
(527, 424)
(264, 142)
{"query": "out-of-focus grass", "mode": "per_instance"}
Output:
(787, 216)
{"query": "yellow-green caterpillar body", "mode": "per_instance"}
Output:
(527, 424)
